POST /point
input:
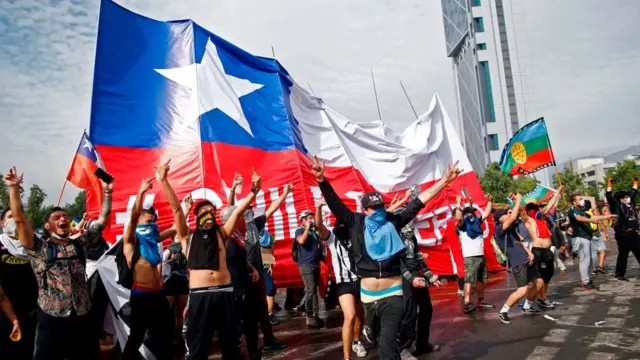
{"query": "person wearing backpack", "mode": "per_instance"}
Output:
(150, 309)
(59, 266)
(626, 228)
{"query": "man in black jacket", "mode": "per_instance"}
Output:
(378, 251)
(626, 228)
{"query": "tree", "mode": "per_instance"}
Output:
(573, 184)
(496, 183)
(78, 206)
(623, 175)
(524, 184)
(33, 209)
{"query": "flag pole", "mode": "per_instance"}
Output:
(408, 99)
(273, 52)
(375, 92)
(62, 192)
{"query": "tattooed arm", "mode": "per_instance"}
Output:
(95, 230)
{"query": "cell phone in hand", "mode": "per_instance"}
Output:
(104, 176)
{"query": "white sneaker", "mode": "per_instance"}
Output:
(406, 355)
(359, 349)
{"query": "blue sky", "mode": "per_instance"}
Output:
(585, 57)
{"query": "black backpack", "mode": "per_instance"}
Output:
(52, 252)
(125, 273)
(294, 250)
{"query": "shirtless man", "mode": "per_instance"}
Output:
(381, 272)
(542, 268)
(150, 309)
(211, 304)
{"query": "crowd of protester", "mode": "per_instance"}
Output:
(216, 278)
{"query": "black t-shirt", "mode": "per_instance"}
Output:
(18, 282)
(238, 266)
(253, 250)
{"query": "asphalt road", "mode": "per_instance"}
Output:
(567, 332)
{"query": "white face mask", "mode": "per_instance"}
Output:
(582, 202)
(10, 229)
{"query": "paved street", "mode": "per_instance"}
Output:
(587, 325)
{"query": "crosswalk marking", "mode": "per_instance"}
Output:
(557, 336)
(607, 339)
(543, 353)
(618, 310)
(601, 356)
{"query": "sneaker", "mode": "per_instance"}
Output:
(359, 349)
(485, 304)
(275, 345)
(563, 272)
(421, 350)
(531, 311)
(276, 307)
(601, 270)
(504, 317)
(368, 334)
(406, 355)
(313, 323)
(460, 292)
(588, 286)
(273, 319)
(468, 307)
(547, 304)
(621, 278)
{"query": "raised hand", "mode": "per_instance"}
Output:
(321, 203)
(12, 178)
(489, 197)
(289, 188)
(188, 200)
(452, 172)
(162, 170)
(560, 190)
(256, 181)
(518, 198)
(237, 180)
(146, 185)
(317, 168)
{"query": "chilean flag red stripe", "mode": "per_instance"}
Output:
(85, 162)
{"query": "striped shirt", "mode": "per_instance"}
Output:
(340, 260)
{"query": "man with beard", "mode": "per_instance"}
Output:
(251, 227)
(59, 266)
(20, 287)
(211, 306)
(418, 309)
(150, 309)
(626, 228)
(543, 261)
(378, 253)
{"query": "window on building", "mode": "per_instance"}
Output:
(492, 140)
(592, 184)
(475, 3)
(484, 65)
(482, 46)
(591, 173)
(479, 24)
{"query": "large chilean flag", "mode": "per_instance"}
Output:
(175, 90)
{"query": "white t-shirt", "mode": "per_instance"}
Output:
(340, 260)
(471, 247)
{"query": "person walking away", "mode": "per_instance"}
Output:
(378, 251)
(626, 228)
(20, 288)
(520, 259)
(59, 266)
(598, 246)
(582, 233)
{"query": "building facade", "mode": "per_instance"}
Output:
(487, 43)
(593, 170)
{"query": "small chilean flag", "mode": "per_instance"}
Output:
(85, 163)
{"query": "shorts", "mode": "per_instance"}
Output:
(176, 285)
(523, 274)
(269, 285)
(475, 269)
(349, 287)
(543, 263)
(599, 244)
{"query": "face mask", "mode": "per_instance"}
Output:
(10, 229)
(582, 202)
(205, 218)
(148, 231)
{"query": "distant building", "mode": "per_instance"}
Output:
(486, 41)
(594, 170)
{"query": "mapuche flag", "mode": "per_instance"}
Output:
(539, 195)
(528, 150)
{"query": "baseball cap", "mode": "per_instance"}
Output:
(498, 214)
(372, 199)
(305, 214)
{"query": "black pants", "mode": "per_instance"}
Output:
(311, 278)
(53, 336)
(543, 262)
(247, 308)
(627, 242)
(257, 291)
(99, 303)
(212, 310)
(387, 316)
(23, 349)
(150, 312)
(417, 313)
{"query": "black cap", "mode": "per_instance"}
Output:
(621, 194)
(200, 204)
(372, 199)
(498, 214)
(468, 210)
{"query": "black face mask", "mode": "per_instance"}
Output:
(205, 217)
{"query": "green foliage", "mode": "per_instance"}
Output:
(500, 185)
(623, 175)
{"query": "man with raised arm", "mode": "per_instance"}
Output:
(377, 251)
(59, 265)
(211, 306)
(626, 229)
(150, 309)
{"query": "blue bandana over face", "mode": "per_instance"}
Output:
(148, 236)
(380, 236)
